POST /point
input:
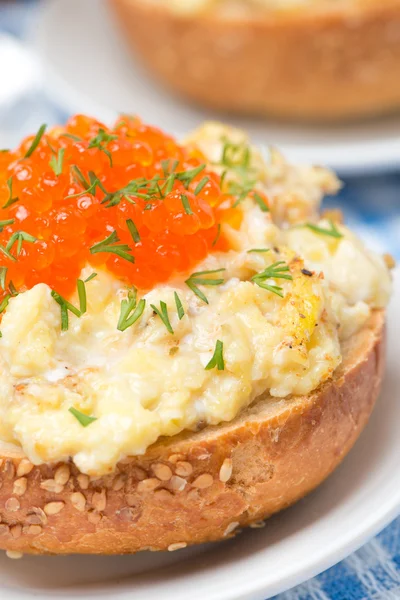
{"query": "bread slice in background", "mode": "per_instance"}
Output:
(197, 487)
(317, 61)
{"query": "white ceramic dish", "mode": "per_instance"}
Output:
(354, 504)
(88, 70)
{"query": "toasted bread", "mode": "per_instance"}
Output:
(197, 487)
(319, 61)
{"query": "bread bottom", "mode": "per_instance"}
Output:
(199, 487)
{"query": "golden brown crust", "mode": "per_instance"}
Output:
(332, 62)
(197, 487)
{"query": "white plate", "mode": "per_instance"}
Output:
(354, 504)
(88, 70)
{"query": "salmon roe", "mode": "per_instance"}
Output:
(128, 199)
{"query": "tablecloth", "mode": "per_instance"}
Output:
(371, 205)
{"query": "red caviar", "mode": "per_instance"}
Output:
(131, 187)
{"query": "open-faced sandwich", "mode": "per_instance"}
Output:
(298, 59)
(187, 346)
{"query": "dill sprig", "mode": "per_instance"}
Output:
(127, 318)
(3, 276)
(162, 312)
(100, 142)
(89, 186)
(19, 237)
(56, 162)
(65, 306)
(179, 307)
(198, 278)
(333, 231)
(36, 141)
(11, 198)
(217, 359)
(133, 230)
(237, 158)
(110, 245)
(278, 270)
(5, 223)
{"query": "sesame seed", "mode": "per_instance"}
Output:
(99, 500)
(94, 517)
(4, 529)
(78, 501)
(177, 546)
(53, 508)
(183, 468)
(32, 530)
(162, 472)
(203, 481)
(231, 527)
(62, 474)
(118, 483)
(225, 471)
(12, 505)
(175, 457)
(148, 485)
(24, 467)
(9, 468)
(13, 554)
(50, 485)
(129, 514)
(83, 481)
(139, 473)
(36, 516)
(177, 484)
(20, 485)
(16, 531)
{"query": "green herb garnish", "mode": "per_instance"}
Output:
(127, 317)
(218, 235)
(332, 231)
(11, 199)
(5, 223)
(163, 314)
(56, 162)
(261, 202)
(278, 270)
(35, 141)
(4, 303)
(3, 275)
(110, 245)
(258, 250)
(179, 306)
(18, 238)
(186, 205)
(92, 276)
(65, 306)
(100, 141)
(200, 186)
(198, 278)
(133, 230)
(83, 419)
(217, 358)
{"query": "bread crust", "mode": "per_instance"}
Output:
(328, 62)
(199, 487)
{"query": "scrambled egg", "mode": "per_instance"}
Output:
(144, 383)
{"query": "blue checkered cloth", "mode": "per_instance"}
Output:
(371, 206)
